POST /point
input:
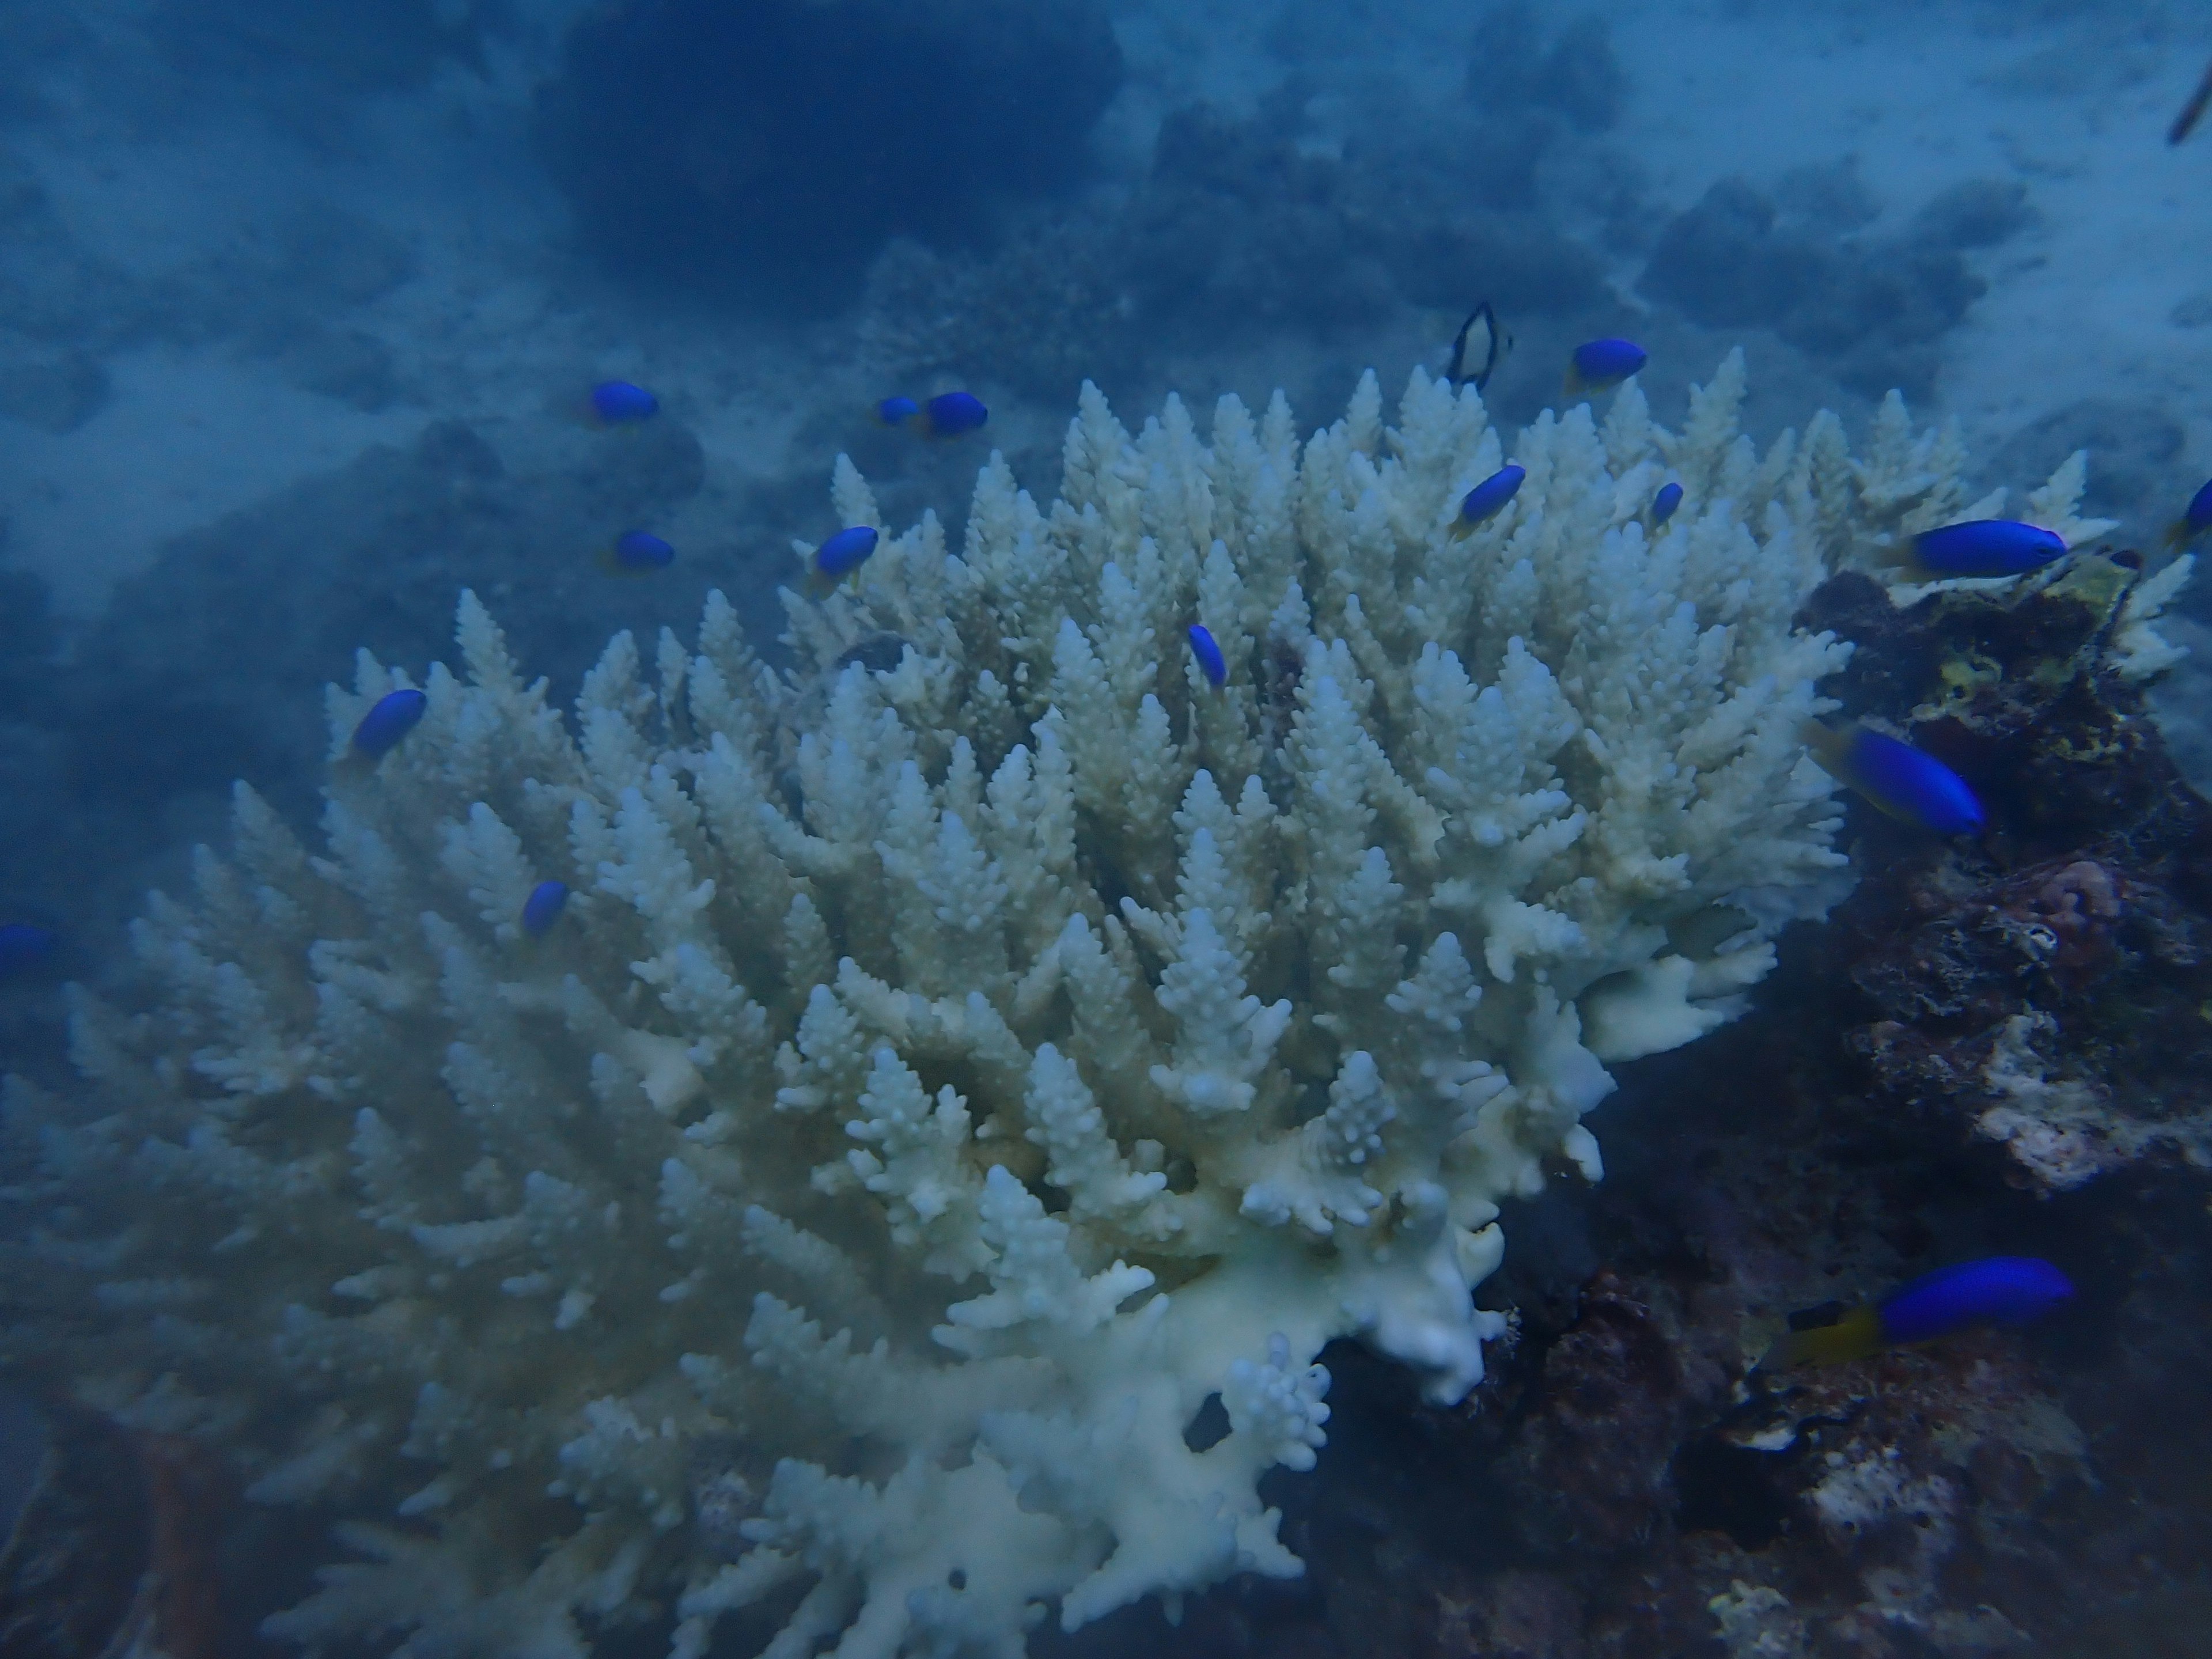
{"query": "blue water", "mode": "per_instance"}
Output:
(300, 307)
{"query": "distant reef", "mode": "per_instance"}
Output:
(772, 149)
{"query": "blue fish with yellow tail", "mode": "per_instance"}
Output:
(2195, 520)
(621, 403)
(1599, 365)
(1999, 1290)
(1982, 547)
(1898, 780)
(637, 553)
(1664, 503)
(840, 558)
(389, 719)
(948, 414)
(1487, 500)
(1211, 662)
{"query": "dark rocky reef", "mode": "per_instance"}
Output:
(1872, 308)
(2048, 995)
(111, 1538)
(771, 149)
(1625, 1484)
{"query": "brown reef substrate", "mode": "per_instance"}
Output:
(1998, 1048)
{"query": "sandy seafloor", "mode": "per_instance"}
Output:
(278, 272)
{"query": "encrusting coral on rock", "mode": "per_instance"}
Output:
(968, 1055)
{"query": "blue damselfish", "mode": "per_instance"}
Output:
(2194, 520)
(1211, 662)
(1982, 547)
(1999, 1290)
(1488, 499)
(1664, 503)
(1596, 365)
(390, 717)
(618, 403)
(1898, 780)
(544, 907)
(840, 557)
(636, 552)
(953, 413)
(948, 414)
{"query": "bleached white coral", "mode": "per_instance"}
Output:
(1865, 513)
(950, 1076)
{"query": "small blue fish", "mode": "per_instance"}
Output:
(25, 946)
(1898, 780)
(1487, 499)
(1999, 1290)
(948, 414)
(1664, 503)
(2194, 521)
(1211, 662)
(841, 557)
(1598, 365)
(1982, 547)
(637, 553)
(544, 907)
(618, 403)
(390, 717)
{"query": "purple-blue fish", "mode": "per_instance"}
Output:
(1596, 365)
(2194, 520)
(1898, 780)
(638, 553)
(952, 414)
(840, 557)
(1982, 547)
(1664, 503)
(618, 403)
(24, 946)
(948, 414)
(390, 717)
(544, 907)
(1211, 662)
(1999, 1290)
(1488, 499)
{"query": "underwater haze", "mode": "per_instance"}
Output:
(404, 1226)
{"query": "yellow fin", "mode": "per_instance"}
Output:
(1856, 1335)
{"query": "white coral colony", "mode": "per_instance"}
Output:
(952, 1074)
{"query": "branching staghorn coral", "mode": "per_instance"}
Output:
(956, 1067)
